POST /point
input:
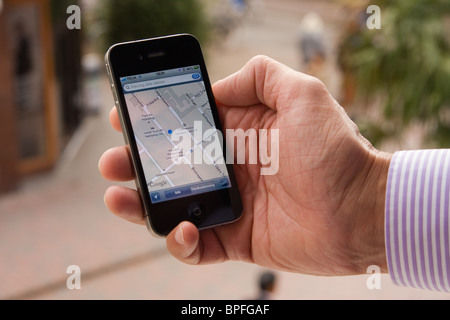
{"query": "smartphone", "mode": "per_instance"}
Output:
(171, 125)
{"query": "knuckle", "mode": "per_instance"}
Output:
(259, 60)
(315, 86)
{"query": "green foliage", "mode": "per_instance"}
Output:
(139, 19)
(407, 62)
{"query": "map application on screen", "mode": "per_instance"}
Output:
(161, 105)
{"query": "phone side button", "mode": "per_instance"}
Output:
(108, 71)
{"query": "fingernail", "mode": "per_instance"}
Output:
(99, 163)
(179, 236)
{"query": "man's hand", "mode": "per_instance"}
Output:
(322, 213)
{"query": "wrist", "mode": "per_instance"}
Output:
(368, 233)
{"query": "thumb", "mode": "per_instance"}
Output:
(183, 243)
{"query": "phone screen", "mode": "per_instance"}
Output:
(179, 145)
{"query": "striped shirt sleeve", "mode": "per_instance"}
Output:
(417, 221)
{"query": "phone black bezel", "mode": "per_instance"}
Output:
(157, 54)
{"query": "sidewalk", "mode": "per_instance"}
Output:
(59, 219)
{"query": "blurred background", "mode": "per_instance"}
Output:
(394, 82)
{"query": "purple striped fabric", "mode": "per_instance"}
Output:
(417, 220)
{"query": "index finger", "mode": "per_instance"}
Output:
(257, 82)
(267, 81)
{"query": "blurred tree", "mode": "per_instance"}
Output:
(140, 19)
(407, 63)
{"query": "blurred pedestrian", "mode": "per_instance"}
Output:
(311, 41)
(266, 285)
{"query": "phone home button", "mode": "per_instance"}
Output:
(196, 210)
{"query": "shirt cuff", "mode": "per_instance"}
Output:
(417, 219)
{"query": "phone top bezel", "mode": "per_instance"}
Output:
(122, 60)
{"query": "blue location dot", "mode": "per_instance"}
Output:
(170, 131)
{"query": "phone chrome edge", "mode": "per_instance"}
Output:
(151, 230)
(109, 71)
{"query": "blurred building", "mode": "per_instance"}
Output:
(40, 95)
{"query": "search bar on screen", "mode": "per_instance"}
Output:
(149, 84)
